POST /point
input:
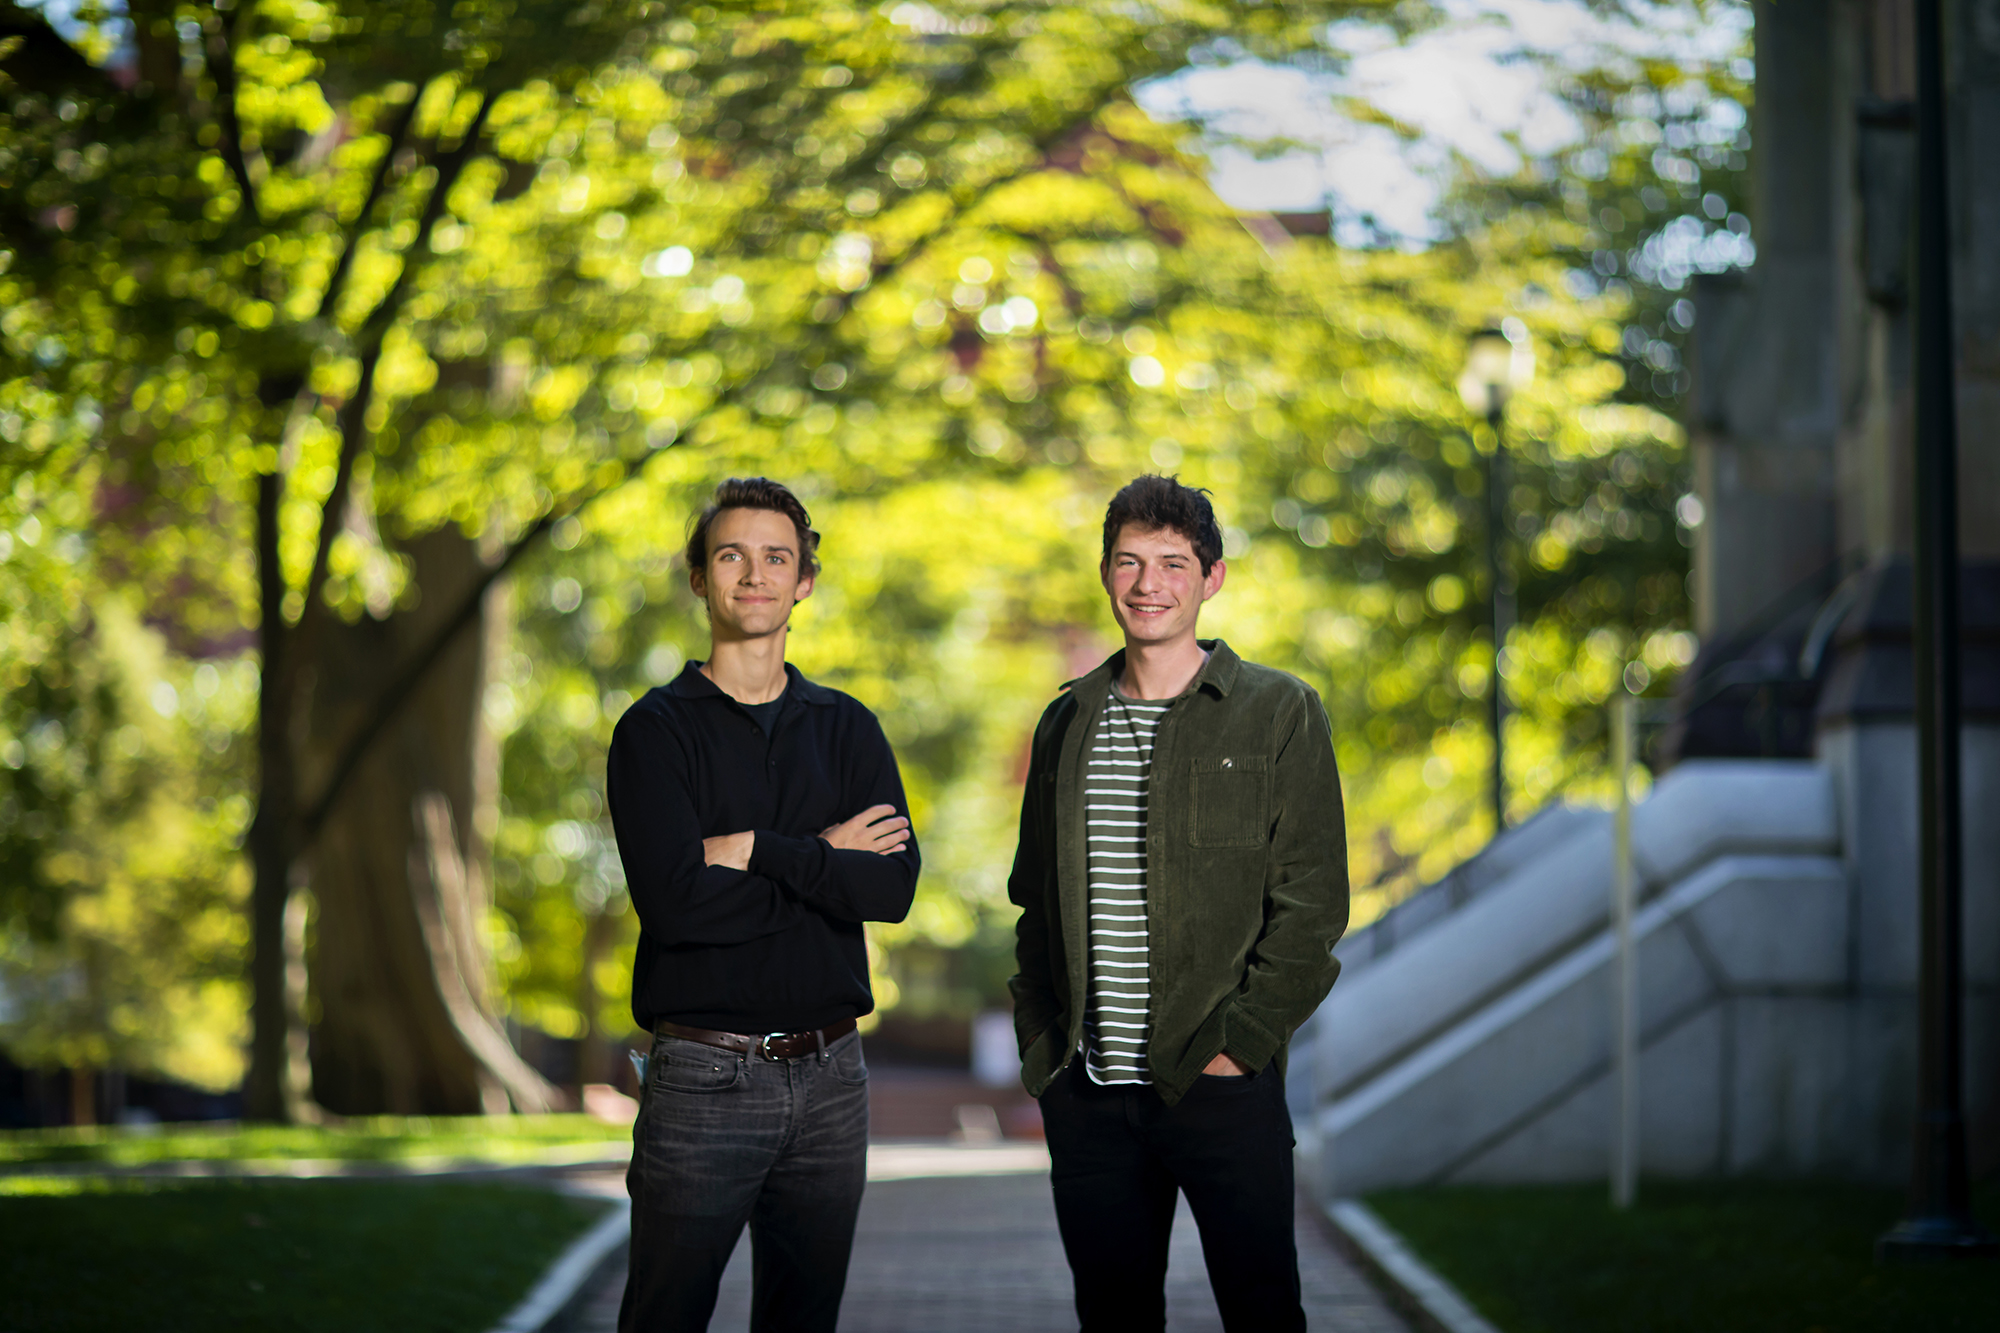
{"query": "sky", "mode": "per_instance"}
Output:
(1479, 86)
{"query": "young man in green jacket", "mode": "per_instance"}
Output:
(1182, 879)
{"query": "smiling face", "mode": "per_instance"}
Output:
(1156, 585)
(752, 579)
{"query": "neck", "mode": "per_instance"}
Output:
(1161, 670)
(750, 671)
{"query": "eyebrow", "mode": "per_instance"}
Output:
(746, 547)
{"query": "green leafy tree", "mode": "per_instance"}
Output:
(446, 321)
(1105, 315)
(360, 289)
(122, 794)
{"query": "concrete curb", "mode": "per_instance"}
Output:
(1432, 1301)
(576, 1265)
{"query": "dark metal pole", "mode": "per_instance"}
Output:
(1500, 598)
(1939, 1224)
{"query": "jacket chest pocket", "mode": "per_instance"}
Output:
(1230, 796)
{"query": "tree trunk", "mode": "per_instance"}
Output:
(400, 868)
(593, 1058)
(82, 1096)
(276, 1087)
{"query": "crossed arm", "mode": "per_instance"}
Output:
(692, 890)
(877, 829)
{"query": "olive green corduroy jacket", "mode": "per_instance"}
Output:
(1246, 872)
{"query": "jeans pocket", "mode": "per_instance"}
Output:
(846, 1063)
(687, 1067)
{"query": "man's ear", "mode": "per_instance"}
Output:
(805, 589)
(1211, 582)
(698, 583)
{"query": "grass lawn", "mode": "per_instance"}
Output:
(1725, 1257)
(336, 1255)
(497, 1139)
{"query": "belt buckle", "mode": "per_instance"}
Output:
(763, 1046)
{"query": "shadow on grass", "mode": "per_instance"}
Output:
(310, 1256)
(1720, 1257)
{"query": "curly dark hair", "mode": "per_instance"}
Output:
(754, 493)
(1153, 502)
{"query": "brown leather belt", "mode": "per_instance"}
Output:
(772, 1045)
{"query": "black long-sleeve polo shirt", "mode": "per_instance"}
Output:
(779, 947)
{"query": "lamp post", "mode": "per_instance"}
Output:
(1940, 1223)
(1498, 361)
(1624, 904)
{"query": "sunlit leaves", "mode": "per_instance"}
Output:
(120, 804)
(947, 282)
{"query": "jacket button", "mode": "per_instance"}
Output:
(1229, 763)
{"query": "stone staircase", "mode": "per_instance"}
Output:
(1469, 1037)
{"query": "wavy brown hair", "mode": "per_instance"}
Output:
(1153, 503)
(754, 493)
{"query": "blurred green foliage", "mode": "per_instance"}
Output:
(1656, 188)
(1309, 388)
(931, 267)
(121, 795)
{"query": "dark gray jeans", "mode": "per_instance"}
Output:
(723, 1140)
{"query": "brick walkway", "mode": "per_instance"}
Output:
(980, 1254)
(905, 1103)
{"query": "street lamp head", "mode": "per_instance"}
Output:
(1498, 361)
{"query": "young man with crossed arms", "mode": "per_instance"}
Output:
(761, 820)
(1182, 879)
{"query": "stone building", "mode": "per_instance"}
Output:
(1470, 1037)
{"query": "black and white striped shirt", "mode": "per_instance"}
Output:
(1116, 777)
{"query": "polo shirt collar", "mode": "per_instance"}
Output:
(691, 684)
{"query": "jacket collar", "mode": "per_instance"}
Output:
(691, 684)
(1217, 675)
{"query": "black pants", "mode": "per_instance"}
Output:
(725, 1140)
(1118, 1155)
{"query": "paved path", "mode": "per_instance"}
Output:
(980, 1254)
